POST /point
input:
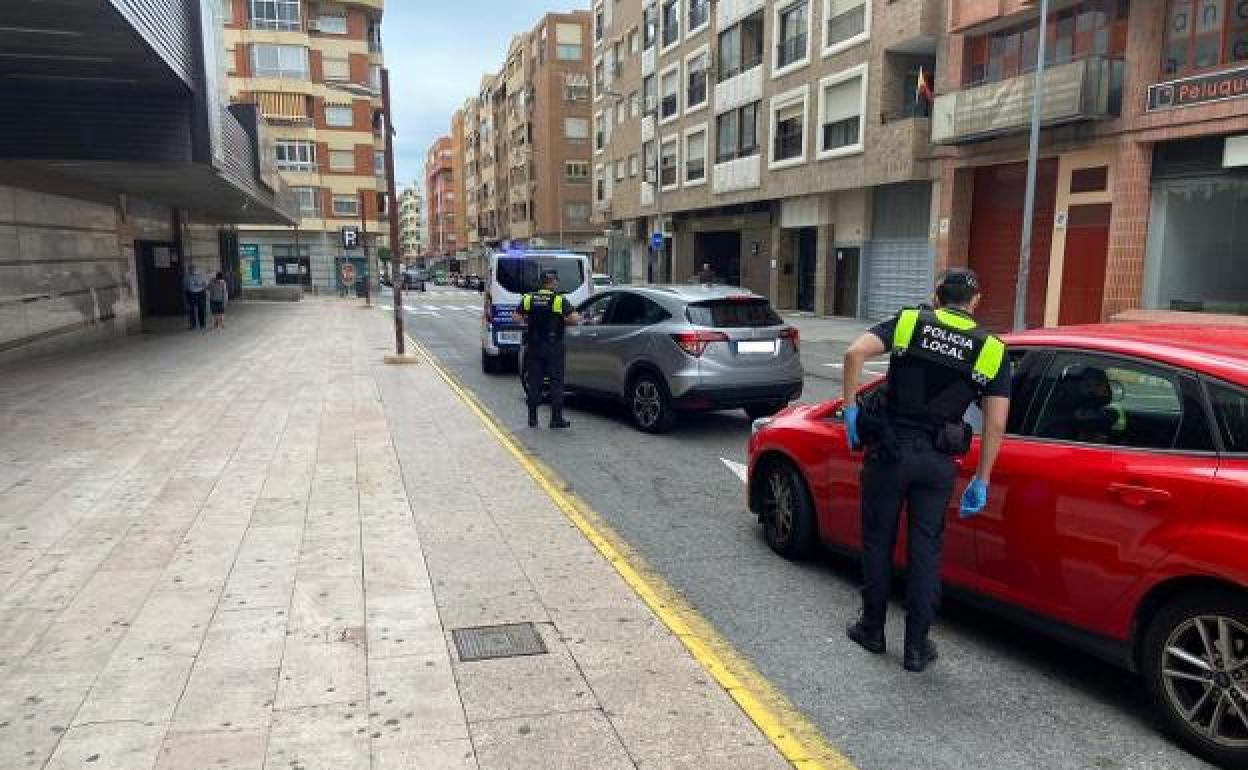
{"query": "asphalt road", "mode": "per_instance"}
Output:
(1000, 697)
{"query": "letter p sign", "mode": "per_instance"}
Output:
(350, 238)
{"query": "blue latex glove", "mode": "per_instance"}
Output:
(851, 427)
(974, 499)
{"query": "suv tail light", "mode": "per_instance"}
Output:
(695, 343)
(791, 334)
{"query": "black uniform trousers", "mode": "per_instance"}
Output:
(922, 479)
(195, 307)
(545, 362)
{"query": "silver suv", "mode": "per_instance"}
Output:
(663, 349)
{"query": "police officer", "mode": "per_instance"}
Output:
(942, 362)
(546, 313)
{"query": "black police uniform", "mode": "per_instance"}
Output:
(942, 362)
(545, 313)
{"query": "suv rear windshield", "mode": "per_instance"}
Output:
(523, 275)
(733, 314)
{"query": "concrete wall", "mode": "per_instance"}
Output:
(67, 272)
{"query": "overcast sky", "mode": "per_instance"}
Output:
(437, 51)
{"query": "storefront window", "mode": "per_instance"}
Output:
(1202, 34)
(1090, 28)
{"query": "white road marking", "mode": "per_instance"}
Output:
(386, 307)
(739, 469)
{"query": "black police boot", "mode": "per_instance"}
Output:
(919, 656)
(556, 420)
(532, 417)
(869, 638)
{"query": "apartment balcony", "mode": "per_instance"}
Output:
(739, 90)
(1083, 90)
(917, 30)
(903, 147)
(729, 12)
(649, 60)
(647, 128)
(520, 156)
(520, 229)
(964, 14)
(647, 194)
(737, 175)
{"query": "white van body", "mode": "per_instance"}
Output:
(512, 275)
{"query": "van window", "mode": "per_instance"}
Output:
(523, 275)
(733, 314)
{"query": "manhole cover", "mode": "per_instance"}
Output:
(488, 642)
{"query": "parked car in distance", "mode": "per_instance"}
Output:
(1117, 518)
(440, 279)
(415, 278)
(474, 282)
(602, 281)
(664, 349)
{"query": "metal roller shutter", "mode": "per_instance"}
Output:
(899, 274)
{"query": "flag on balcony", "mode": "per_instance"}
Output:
(923, 88)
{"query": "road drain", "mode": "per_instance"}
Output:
(490, 642)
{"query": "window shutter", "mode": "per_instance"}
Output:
(842, 101)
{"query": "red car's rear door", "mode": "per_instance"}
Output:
(1113, 465)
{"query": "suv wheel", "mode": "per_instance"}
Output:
(788, 513)
(1195, 660)
(489, 364)
(649, 403)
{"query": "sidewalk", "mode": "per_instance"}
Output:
(815, 328)
(249, 550)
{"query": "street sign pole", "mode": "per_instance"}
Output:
(396, 243)
(1029, 203)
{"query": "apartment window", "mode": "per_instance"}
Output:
(346, 206)
(617, 59)
(576, 87)
(576, 128)
(695, 157)
(336, 69)
(699, 14)
(600, 77)
(650, 93)
(620, 112)
(670, 85)
(793, 22)
(309, 199)
(339, 116)
(671, 23)
(788, 127)
(600, 184)
(634, 105)
(342, 161)
(568, 42)
(736, 133)
(374, 37)
(647, 161)
(576, 171)
(1201, 34)
(279, 61)
(695, 80)
(845, 25)
(619, 170)
(275, 14)
(741, 47)
(295, 155)
(379, 163)
(650, 26)
(332, 25)
(634, 42)
(576, 213)
(1091, 28)
(600, 132)
(841, 126)
(374, 77)
(599, 23)
(669, 157)
(633, 164)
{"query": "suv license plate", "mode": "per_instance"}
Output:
(509, 338)
(757, 346)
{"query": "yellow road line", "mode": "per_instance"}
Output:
(793, 735)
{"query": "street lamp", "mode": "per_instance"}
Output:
(1029, 202)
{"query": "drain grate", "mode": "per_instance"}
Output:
(489, 642)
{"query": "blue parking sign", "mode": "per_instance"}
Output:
(656, 241)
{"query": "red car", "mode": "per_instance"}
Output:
(1117, 518)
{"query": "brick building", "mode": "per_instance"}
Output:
(444, 191)
(1142, 195)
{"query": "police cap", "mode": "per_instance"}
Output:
(959, 278)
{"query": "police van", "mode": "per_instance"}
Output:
(512, 275)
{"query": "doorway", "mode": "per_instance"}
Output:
(807, 239)
(1083, 266)
(160, 279)
(722, 251)
(845, 298)
(292, 265)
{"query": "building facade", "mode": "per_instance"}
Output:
(783, 144)
(1142, 192)
(314, 71)
(444, 190)
(96, 236)
(412, 223)
(527, 144)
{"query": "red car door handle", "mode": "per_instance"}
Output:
(1138, 496)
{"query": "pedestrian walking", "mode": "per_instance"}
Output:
(912, 428)
(196, 287)
(218, 295)
(546, 314)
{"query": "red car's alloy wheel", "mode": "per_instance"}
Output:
(1205, 674)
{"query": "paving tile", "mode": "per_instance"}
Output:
(224, 698)
(576, 741)
(320, 738)
(36, 708)
(145, 689)
(217, 750)
(259, 586)
(523, 686)
(443, 755)
(413, 701)
(316, 673)
(402, 621)
(732, 758)
(323, 608)
(483, 603)
(244, 639)
(111, 746)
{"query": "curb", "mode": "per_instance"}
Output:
(791, 733)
